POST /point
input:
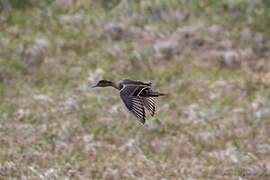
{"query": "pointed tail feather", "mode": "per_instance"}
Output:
(163, 94)
(147, 92)
(156, 94)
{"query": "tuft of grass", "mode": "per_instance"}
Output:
(212, 125)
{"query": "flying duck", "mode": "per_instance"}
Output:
(135, 94)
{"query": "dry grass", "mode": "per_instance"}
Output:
(213, 125)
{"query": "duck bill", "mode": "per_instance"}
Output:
(94, 86)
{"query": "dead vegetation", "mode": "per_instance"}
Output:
(212, 58)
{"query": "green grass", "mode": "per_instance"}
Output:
(213, 125)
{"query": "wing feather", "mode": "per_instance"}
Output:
(149, 103)
(133, 103)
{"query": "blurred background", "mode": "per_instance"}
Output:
(212, 57)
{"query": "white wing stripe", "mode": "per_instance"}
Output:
(151, 100)
(142, 90)
(138, 115)
(137, 104)
(138, 111)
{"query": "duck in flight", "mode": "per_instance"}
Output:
(136, 95)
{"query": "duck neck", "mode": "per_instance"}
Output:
(115, 85)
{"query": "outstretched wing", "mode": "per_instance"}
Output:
(149, 103)
(133, 103)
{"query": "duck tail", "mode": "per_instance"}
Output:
(156, 94)
(163, 94)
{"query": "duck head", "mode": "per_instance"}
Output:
(103, 83)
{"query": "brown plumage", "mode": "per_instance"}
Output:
(136, 95)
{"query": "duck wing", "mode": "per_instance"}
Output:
(134, 104)
(149, 103)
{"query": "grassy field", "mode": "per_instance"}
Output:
(212, 57)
